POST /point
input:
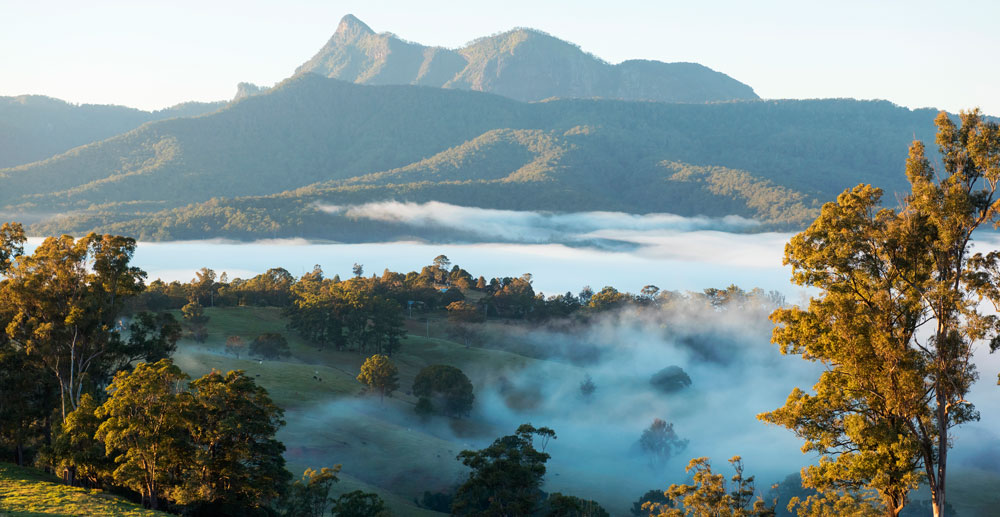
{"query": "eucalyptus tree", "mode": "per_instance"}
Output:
(64, 302)
(896, 321)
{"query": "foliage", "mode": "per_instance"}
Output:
(270, 345)
(464, 312)
(235, 345)
(379, 374)
(512, 297)
(424, 407)
(437, 501)
(710, 495)
(236, 462)
(506, 477)
(64, 301)
(447, 383)
(660, 442)
(884, 407)
(559, 505)
(360, 504)
(194, 315)
(655, 498)
(144, 429)
(77, 452)
(151, 337)
(209, 446)
(670, 379)
(310, 496)
(360, 313)
(587, 386)
(607, 298)
(27, 396)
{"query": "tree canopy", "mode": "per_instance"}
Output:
(506, 477)
(884, 407)
(447, 384)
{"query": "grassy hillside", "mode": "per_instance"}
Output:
(29, 492)
(382, 447)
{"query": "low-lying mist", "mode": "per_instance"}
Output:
(531, 226)
(735, 375)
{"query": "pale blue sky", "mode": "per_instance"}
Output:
(151, 55)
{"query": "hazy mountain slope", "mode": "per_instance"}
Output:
(522, 64)
(34, 127)
(306, 130)
(328, 140)
(357, 54)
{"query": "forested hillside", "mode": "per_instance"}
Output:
(312, 139)
(35, 127)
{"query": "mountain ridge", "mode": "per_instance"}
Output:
(522, 63)
(36, 127)
(270, 157)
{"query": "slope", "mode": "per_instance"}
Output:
(312, 138)
(29, 492)
(523, 64)
(305, 130)
(34, 127)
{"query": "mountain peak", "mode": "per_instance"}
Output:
(351, 27)
(523, 63)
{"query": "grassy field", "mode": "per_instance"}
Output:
(30, 492)
(383, 447)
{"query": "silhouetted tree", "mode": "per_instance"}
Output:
(506, 477)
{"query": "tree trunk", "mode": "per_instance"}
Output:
(153, 502)
(19, 450)
(938, 489)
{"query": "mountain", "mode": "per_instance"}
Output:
(523, 64)
(259, 166)
(35, 127)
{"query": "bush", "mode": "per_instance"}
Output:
(437, 501)
(447, 383)
(270, 346)
(359, 504)
(670, 379)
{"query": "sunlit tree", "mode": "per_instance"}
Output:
(380, 375)
(882, 411)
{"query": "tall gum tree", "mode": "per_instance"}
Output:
(64, 301)
(895, 322)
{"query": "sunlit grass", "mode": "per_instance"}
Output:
(29, 492)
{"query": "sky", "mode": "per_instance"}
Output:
(153, 54)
